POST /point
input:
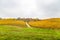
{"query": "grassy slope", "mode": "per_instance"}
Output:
(16, 33)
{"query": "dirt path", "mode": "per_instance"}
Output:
(28, 25)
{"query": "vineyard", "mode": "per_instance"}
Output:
(47, 23)
(16, 29)
(12, 22)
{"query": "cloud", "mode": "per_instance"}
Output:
(50, 8)
(30, 8)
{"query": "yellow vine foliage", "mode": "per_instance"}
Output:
(12, 22)
(44, 24)
(47, 23)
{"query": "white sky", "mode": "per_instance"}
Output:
(30, 8)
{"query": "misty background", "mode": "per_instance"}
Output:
(30, 8)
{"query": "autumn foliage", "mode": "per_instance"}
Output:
(47, 23)
(12, 22)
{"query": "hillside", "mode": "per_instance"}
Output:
(16, 29)
(12, 22)
(53, 19)
(15, 33)
(46, 23)
(37, 23)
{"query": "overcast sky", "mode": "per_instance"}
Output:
(30, 8)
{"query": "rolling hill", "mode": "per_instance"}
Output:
(13, 29)
(37, 23)
(46, 23)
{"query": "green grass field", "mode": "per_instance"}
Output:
(17, 33)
